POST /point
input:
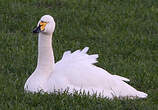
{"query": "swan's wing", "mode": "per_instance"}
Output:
(79, 56)
(77, 71)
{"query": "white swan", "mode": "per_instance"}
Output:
(74, 71)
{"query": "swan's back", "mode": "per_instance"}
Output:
(77, 71)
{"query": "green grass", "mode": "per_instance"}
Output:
(123, 32)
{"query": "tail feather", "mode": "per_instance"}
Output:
(141, 95)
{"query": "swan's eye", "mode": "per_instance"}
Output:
(42, 25)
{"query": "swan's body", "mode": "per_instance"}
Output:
(74, 71)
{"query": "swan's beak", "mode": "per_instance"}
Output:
(37, 29)
(40, 28)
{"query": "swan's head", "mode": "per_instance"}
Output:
(46, 25)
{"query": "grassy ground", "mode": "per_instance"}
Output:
(123, 32)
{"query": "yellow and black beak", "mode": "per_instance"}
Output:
(40, 28)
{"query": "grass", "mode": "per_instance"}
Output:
(123, 32)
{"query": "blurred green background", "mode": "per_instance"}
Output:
(123, 32)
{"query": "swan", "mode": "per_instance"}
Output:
(75, 70)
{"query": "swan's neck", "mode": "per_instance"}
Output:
(45, 62)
